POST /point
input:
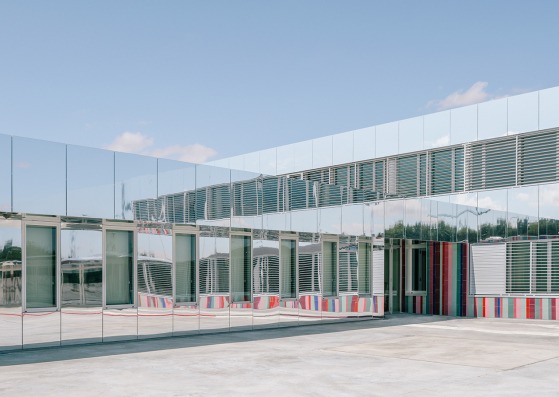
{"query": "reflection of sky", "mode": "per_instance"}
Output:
(158, 246)
(81, 243)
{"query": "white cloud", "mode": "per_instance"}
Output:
(136, 142)
(475, 94)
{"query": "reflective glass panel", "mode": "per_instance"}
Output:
(268, 161)
(342, 145)
(213, 195)
(549, 103)
(185, 262)
(285, 163)
(237, 162)
(463, 124)
(135, 182)
(413, 219)
(523, 113)
(155, 264)
(252, 162)
(394, 215)
(241, 267)
(40, 273)
(411, 135)
(81, 265)
(386, 139)
(119, 281)
(322, 152)
(492, 119)
(436, 130)
(39, 177)
(82, 284)
(5, 173)
(364, 144)
(330, 268)
(302, 156)
(288, 268)
(549, 209)
(10, 284)
(91, 187)
(177, 192)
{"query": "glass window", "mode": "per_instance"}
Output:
(10, 263)
(119, 271)
(40, 272)
(265, 262)
(252, 162)
(185, 262)
(419, 268)
(214, 261)
(241, 268)
(348, 265)
(155, 263)
(309, 265)
(82, 267)
(364, 275)
(330, 268)
(288, 269)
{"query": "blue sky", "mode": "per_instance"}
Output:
(192, 79)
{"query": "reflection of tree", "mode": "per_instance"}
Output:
(10, 253)
(444, 231)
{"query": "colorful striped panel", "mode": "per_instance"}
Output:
(264, 302)
(310, 302)
(378, 305)
(214, 302)
(516, 308)
(157, 301)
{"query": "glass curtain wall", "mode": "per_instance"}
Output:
(119, 267)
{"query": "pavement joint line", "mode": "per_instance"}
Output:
(535, 362)
(415, 359)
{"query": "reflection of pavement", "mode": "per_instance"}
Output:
(75, 325)
(403, 355)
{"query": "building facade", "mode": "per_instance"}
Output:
(457, 216)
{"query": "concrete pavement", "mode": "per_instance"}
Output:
(401, 355)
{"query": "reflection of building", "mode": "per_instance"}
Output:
(449, 213)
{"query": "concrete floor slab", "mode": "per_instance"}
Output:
(400, 356)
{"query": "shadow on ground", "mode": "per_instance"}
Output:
(72, 352)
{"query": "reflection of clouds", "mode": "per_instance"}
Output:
(549, 201)
(469, 200)
(441, 141)
(23, 165)
(490, 203)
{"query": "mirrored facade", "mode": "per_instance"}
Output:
(440, 214)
